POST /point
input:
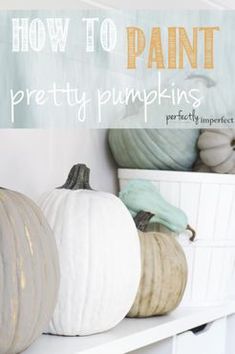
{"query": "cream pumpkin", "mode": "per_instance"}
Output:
(164, 272)
(29, 272)
(99, 256)
(217, 149)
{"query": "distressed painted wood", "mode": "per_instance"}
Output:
(29, 272)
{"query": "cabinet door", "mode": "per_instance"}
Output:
(230, 335)
(209, 339)
(162, 347)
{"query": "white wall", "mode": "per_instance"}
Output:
(34, 161)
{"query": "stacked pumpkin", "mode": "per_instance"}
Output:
(208, 150)
(164, 268)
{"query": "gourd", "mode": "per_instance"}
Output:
(140, 195)
(164, 272)
(99, 254)
(29, 272)
(217, 149)
(162, 149)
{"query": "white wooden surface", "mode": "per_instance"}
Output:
(208, 199)
(131, 334)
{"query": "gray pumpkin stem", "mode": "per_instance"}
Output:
(142, 219)
(78, 178)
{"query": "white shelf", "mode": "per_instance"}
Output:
(131, 334)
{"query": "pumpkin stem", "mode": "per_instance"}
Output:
(192, 238)
(78, 178)
(142, 219)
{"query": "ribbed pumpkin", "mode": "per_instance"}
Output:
(164, 272)
(99, 254)
(217, 149)
(29, 272)
(162, 149)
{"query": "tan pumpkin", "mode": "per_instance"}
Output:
(164, 272)
(217, 149)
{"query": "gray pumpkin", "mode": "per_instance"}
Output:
(163, 149)
(29, 272)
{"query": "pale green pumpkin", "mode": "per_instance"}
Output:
(140, 195)
(163, 149)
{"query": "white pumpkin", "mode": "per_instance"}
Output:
(217, 149)
(99, 254)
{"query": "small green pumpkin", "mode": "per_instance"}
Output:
(217, 149)
(140, 195)
(163, 272)
(162, 149)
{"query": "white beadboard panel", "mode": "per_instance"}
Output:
(211, 275)
(201, 269)
(207, 199)
(171, 192)
(227, 281)
(231, 223)
(231, 274)
(189, 201)
(208, 205)
(177, 176)
(226, 196)
(209, 202)
(217, 268)
(190, 255)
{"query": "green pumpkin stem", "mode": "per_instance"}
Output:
(78, 178)
(189, 228)
(142, 219)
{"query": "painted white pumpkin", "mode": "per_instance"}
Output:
(99, 254)
(217, 149)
